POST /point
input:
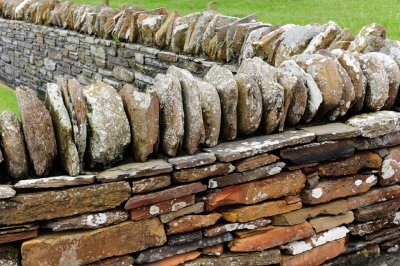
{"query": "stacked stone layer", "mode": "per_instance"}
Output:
(319, 194)
(190, 168)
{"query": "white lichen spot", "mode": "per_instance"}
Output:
(96, 219)
(370, 179)
(178, 205)
(316, 193)
(358, 182)
(154, 210)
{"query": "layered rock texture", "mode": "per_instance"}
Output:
(209, 163)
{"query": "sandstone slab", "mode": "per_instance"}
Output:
(225, 84)
(193, 209)
(193, 119)
(125, 260)
(390, 171)
(191, 223)
(38, 131)
(143, 113)
(220, 229)
(135, 170)
(300, 216)
(90, 246)
(193, 174)
(376, 124)
(249, 109)
(74, 101)
(164, 195)
(267, 257)
(161, 208)
(283, 184)
(338, 188)
(87, 221)
(255, 162)
(318, 255)
(333, 131)
(211, 110)
(185, 238)
(61, 203)
(324, 223)
(169, 92)
(169, 251)
(351, 165)
(109, 126)
(301, 246)
(191, 161)
(377, 210)
(13, 146)
(257, 211)
(216, 250)
(316, 152)
(18, 236)
(238, 178)
(235, 150)
(7, 191)
(371, 38)
(271, 238)
(387, 140)
(150, 184)
(374, 196)
(55, 182)
(369, 227)
(176, 259)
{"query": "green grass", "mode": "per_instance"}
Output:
(347, 13)
(8, 100)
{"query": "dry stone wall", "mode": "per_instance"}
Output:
(206, 163)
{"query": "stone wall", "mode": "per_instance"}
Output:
(33, 55)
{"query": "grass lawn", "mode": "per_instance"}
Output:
(347, 13)
(7, 99)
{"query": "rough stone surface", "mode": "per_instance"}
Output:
(193, 119)
(351, 165)
(272, 92)
(191, 161)
(289, 183)
(324, 223)
(224, 81)
(333, 131)
(338, 188)
(7, 191)
(220, 229)
(143, 114)
(191, 223)
(135, 170)
(390, 168)
(193, 174)
(167, 194)
(61, 203)
(235, 150)
(109, 132)
(271, 238)
(249, 104)
(124, 260)
(255, 162)
(193, 209)
(376, 124)
(371, 38)
(253, 212)
(87, 221)
(56, 181)
(13, 145)
(169, 92)
(150, 184)
(74, 101)
(63, 128)
(211, 111)
(38, 131)
(268, 257)
(90, 246)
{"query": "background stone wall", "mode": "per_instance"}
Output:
(33, 55)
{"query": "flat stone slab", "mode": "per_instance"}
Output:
(12, 237)
(316, 152)
(237, 178)
(169, 251)
(268, 257)
(56, 181)
(191, 161)
(193, 209)
(220, 229)
(333, 131)
(164, 195)
(87, 221)
(376, 124)
(150, 184)
(6, 191)
(185, 238)
(48, 205)
(135, 170)
(90, 246)
(235, 150)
